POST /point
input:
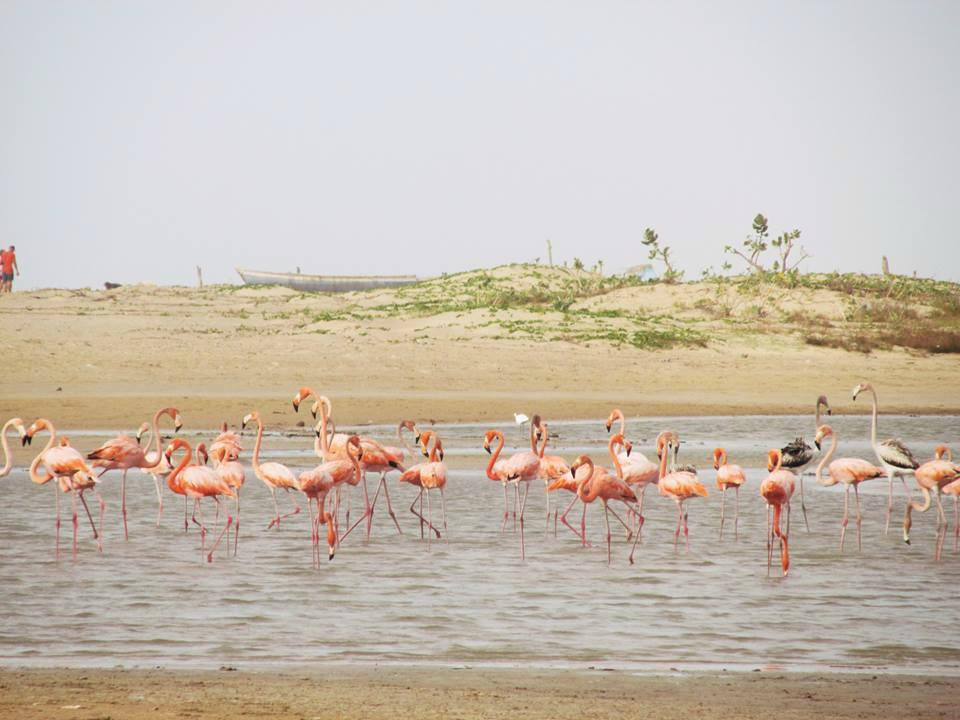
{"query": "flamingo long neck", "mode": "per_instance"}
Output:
(174, 481)
(873, 425)
(494, 456)
(37, 478)
(7, 457)
(613, 456)
(156, 431)
(324, 440)
(588, 496)
(779, 463)
(533, 440)
(403, 440)
(543, 446)
(256, 447)
(435, 452)
(663, 460)
(817, 420)
(355, 459)
(826, 458)
(623, 422)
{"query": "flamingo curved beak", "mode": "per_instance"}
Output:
(296, 406)
(487, 448)
(609, 426)
(817, 443)
(27, 439)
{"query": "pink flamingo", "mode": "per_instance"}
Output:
(157, 468)
(198, 482)
(520, 467)
(849, 471)
(679, 485)
(226, 447)
(61, 463)
(124, 452)
(605, 486)
(932, 475)
(7, 457)
(233, 474)
(377, 457)
(552, 468)
(777, 489)
(431, 475)
(728, 476)
(317, 483)
(894, 456)
(412, 476)
(952, 488)
(273, 474)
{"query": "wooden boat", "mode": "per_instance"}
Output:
(324, 283)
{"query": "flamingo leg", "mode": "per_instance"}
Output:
(198, 510)
(546, 530)
(635, 541)
(516, 501)
(803, 507)
(583, 526)
(423, 520)
(941, 527)
(83, 500)
(123, 503)
(373, 506)
(563, 517)
(56, 496)
(621, 521)
(856, 495)
(736, 516)
(886, 524)
(443, 513)
(74, 502)
(390, 511)
(956, 524)
(276, 509)
(220, 536)
(430, 517)
(846, 513)
(523, 504)
(156, 484)
(769, 543)
(421, 517)
(606, 522)
(236, 527)
(686, 531)
(723, 497)
(186, 525)
(506, 513)
(676, 534)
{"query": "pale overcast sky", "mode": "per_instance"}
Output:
(139, 139)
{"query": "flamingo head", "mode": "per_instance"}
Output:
(141, 430)
(37, 426)
(439, 448)
(488, 438)
(354, 442)
(773, 460)
(301, 395)
(424, 440)
(822, 400)
(940, 450)
(615, 415)
(862, 387)
(719, 458)
(618, 439)
(248, 418)
(202, 455)
(174, 445)
(18, 424)
(668, 439)
(824, 431)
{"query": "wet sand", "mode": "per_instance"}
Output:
(428, 692)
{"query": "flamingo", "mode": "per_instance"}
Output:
(233, 474)
(728, 476)
(198, 482)
(158, 469)
(680, 485)
(932, 475)
(605, 486)
(377, 457)
(797, 454)
(612, 487)
(7, 457)
(849, 471)
(273, 474)
(519, 467)
(124, 452)
(777, 489)
(62, 464)
(431, 475)
(226, 447)
(317, 483)
(552, 468)
(893, 455)
(952, 488)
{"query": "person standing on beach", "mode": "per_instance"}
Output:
(8, 264)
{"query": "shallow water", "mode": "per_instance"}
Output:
(470, 600)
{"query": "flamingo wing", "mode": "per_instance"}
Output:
(895, 453)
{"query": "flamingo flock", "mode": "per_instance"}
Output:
(216, 475)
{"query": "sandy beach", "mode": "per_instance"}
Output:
(429, 692)
(438, 351)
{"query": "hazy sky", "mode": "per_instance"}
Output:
(138, 139)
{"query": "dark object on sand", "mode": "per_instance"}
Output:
(110, 285)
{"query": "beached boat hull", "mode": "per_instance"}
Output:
(324, 283)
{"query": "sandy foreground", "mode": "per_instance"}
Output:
(107, 359)
(420, 692)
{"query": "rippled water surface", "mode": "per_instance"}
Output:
(471, 600)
